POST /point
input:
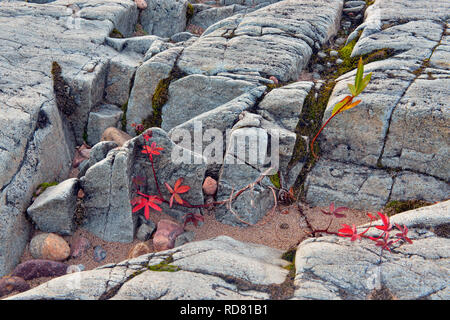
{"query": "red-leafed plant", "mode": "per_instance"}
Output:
(384, 240)
(146, 201)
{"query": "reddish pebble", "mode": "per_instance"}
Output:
(11, 284)
(166, 233)
(210, 186)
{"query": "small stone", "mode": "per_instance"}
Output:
(99, 253)
(49, 246)
(353, 10)
(284, 226)
(318, 68)
(139, 250)
(116, 135)
(210, 186)
(145, 231)
(79, 246)
(37, 268)
(334, 53)
(166, 233)
(183, 238)
(339, 61)
(81, 266)
(321, 54)
(73, 269)
(141, 4)
(316, 76)
(11, 284)
(339, 41)
(181, 36)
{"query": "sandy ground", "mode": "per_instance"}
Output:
(282, 229)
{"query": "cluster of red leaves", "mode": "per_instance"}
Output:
(145, 201)
(383, 240)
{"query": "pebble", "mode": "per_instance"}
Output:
(334, 53)
(74, 268)
(166, 233)
(37, 268)
(318, 67)
(210, 186)
(11, 284)
(183, 238)
(138, 250)
(49, 246)
(316, 76)
(79, 247)
(99, 253)
(339, 41)
(354, 9)
(141, 4)
(145, 231)
(352, 4)
(321, 54)
(339, 61)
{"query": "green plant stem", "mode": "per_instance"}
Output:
(325, 124)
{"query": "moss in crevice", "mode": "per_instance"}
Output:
(398, 206)
(116, 34)
(425, 64)
(165, 265)
(64, 100)
(160, 97)
(289, 255)
(309, 123)
(158, 100)
(124, 108)
(43, 186)
(189, 12)
(316, 103)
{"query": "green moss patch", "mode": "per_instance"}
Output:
(116, 34)
(164, 266)
(189, 12)
(124, 108)
(397, 206)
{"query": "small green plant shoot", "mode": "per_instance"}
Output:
(347, 103)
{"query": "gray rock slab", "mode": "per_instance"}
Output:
(336, 268)
(256, 265)
(274, 40)
(348, 185)
(119, 78)
(53, 210)
(101, 118)
(284, 105)
(165, 18)
(193, 95)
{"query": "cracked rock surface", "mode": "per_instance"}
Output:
(221, 268)
(36, 139)
(335, 268)
(402, 122)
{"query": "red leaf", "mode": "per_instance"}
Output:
(146, 202)
(177, 189)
